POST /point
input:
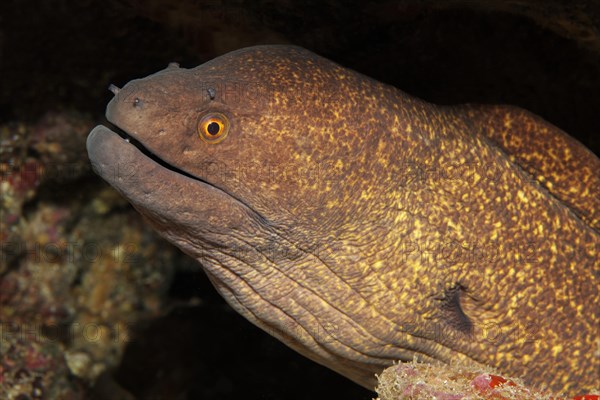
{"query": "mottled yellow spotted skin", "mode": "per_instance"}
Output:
(362, 226)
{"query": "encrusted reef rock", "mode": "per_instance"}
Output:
(418, 381)
(78, 270)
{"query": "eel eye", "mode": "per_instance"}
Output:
(213, 127)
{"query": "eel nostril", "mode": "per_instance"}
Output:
(114, 88)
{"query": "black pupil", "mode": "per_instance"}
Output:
(213, 128)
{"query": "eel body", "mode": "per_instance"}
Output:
(362, 226)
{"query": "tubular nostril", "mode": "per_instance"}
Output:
(114, 88)
(212, 93)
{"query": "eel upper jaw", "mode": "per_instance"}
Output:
(154, 157)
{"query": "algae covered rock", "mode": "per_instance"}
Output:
(420, 381)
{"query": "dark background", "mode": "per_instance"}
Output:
(61, 55)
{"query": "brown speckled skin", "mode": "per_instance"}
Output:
(360, 225)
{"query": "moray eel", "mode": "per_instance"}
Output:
(360, 225)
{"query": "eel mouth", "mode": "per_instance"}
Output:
(115, 153)
(146, 152)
